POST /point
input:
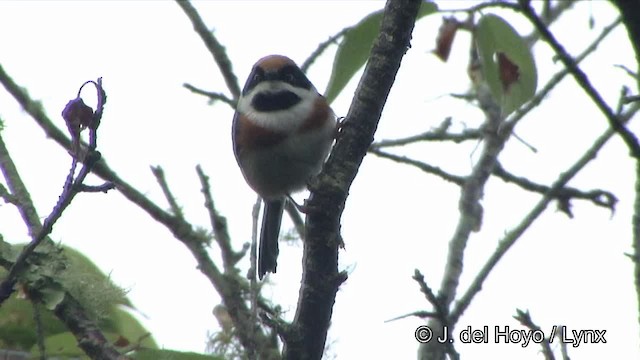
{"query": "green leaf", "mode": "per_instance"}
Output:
(507, 64)
(17, 325)
(52, 296)
(63, 345)
(354, 49)
(130, 328)
(7, 252)
(152, 354)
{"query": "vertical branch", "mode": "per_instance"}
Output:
(636, 236)
(71, 187)
(320, 280)
(510, 237)
(68, 310)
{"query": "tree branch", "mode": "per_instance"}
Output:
(630, 11)
(559, 76)
(512, 236)
(213, 45)
(213, 96)
(563, 195)
(71, 188)
(321, 48)
(231, 287)
(90, 338)
(438, 134)
(627, 136)
(525, 319)
(69, 311)
(429, 169)
(321, 279)
(219, 225)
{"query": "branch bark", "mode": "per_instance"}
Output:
(630, 11)
(231, 287)
(320, 279)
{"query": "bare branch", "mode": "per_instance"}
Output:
(635, 222)
(219, 225)
(162, 181)
(555, 79)
(69, 311)
(438, 134)
(96, 188)
(90, 338)
(213, 45)
(549, 15)
(429, 169)
(6, 196)
(441, 311)
(321, 278)
(70, 189)
(213, 96)
(563, 195)
(294, 214)
(512, 236)
(627, 136)
(525, 319)
(470, 208)
(231, 288)
(630, 99)
(420, 314)
(321, 48)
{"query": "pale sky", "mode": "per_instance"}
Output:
(570, 272)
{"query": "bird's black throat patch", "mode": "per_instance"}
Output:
(274, 101)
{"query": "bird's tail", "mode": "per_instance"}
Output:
(271, 219)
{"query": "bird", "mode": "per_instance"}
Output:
(282, 132)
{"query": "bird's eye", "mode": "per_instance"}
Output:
(289, 78)
(257, 77)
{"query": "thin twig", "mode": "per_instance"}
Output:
(467, 134)
(631, 98)
(97, 188)
(419, 314)
(321, 48)
(598, 197)
(525, 319)
(563, 344)
(253, 268)
(69, 311)
(158, 172)
(430, 169)
(549, 15)
(6, 196)
(213, 96)
(512, 236)
(294, 215)
(559, 76)
(37, 319)
(219, 225)
(442, 312)
(213, 45)
(627, 136)
(70, 190)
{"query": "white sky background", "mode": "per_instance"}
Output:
(570, 272)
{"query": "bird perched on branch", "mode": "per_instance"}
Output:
(282, 133)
